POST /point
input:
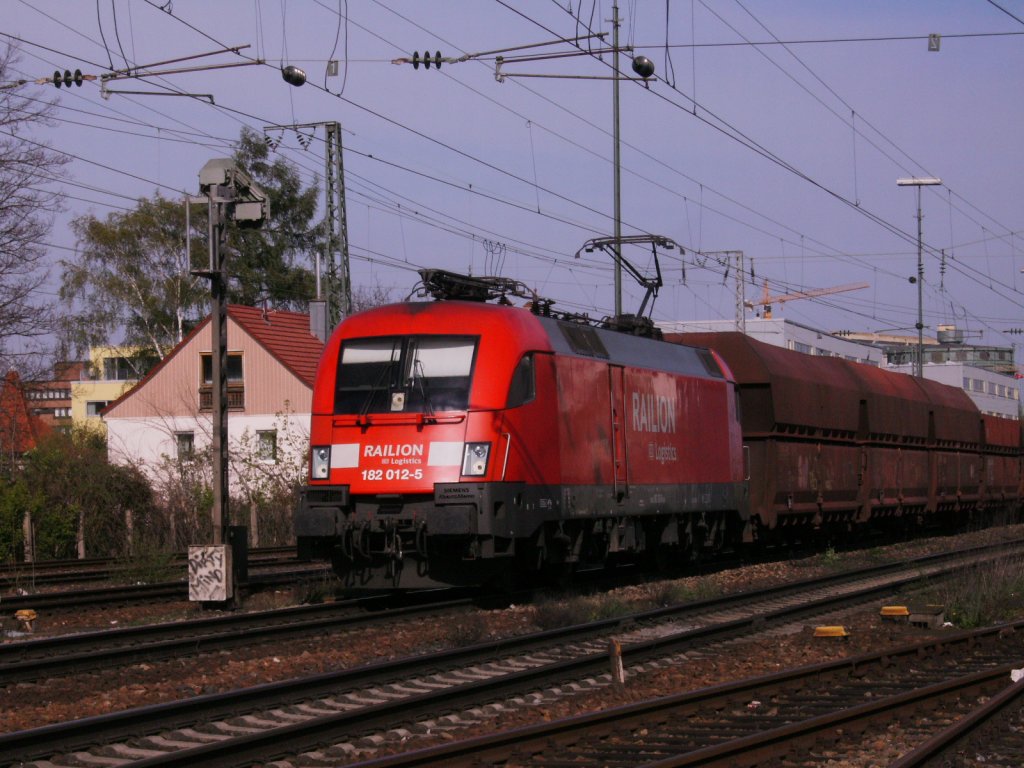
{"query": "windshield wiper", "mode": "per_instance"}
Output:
(419, 380)
(385, 376)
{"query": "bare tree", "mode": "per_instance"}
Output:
(27, 208)
(369, 296)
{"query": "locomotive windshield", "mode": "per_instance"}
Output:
(411, 374)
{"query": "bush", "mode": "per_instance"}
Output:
(69, 493)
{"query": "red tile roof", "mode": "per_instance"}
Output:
(285, 335)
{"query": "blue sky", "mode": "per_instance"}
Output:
(788, 150)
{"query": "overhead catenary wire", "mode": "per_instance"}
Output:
(531, 187)
(743, 139)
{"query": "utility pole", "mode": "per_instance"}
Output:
(339, 280)
(724, 257)
(338, 290)
(919, 357)
(617, 161)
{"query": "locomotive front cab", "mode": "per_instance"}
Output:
(407, 449)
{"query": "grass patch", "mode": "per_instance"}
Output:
(668, 593)
(466, 631)
(830, 558)
(981, 596)
(315, 589)
(149, 565)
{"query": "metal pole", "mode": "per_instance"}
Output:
(336, 208)
(218, 373)
(916, 182)
(741, 294)
(337, 283)
(919, 368)
(616, 159)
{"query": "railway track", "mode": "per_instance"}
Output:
(801, 717)
(303, 715)
(126, 594)
(991, 734)
(30, 576)
(92, 651)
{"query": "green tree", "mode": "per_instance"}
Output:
(17, 501)
(132, 276)
(265, 263)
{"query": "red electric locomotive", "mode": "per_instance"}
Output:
(456, 441)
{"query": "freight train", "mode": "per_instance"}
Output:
(462, 441)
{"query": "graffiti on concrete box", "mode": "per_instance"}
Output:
(209, 573)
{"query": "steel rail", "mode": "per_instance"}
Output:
(964, 729)
(12, 572)
(35, 658)
(132, 593)
(751, 749)
(89, 651)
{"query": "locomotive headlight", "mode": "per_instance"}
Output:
(321, 469)
(474, 458)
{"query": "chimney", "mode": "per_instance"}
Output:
(318, 319)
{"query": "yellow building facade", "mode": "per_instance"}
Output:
(111, 372)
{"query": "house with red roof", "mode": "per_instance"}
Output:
(19, 428)
(167, 416)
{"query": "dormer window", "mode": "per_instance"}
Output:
(234, 367)
(236, 387)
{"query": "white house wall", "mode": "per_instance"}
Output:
(151, 443)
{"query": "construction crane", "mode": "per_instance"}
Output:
(766, 300)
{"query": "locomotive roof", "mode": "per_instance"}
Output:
(571, 338)
(520, 329)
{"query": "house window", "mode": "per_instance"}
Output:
(267, 445)
(234, 367)
(117, 369)
(93, 407)
(185, 442)
(236, 389)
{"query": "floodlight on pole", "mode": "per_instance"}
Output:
(919, 182)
